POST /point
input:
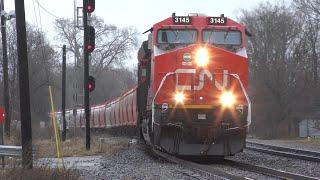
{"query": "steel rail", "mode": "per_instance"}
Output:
(284, 151)
(199, 167)
(267, 171)
(235, 164)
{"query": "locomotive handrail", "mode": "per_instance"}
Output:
(155, 96)
(247, 98)
(236, 76)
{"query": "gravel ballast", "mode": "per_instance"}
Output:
(279, 163)
(136, 162)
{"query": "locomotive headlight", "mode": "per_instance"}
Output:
(202, 57)
(179, 97)
(227, 99)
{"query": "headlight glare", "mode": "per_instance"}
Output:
(227, 99)
(202, 57)
(179, 97)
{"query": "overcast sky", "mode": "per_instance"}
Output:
(141, 14)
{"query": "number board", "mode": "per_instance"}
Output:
(217, 20)
(181, 20)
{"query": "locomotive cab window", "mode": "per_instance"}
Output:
(230, 39)
(172, 38)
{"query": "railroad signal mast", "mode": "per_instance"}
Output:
(89, 45)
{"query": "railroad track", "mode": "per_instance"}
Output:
(267, 171)
(196, 166)
(284, 151)
(208, 168)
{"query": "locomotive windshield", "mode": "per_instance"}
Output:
(170, 36)
(222, 37)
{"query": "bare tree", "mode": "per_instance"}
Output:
(310, 11)
(279, 83)
(310, 8)
(42, 65)
(113, 47)
(113, 44)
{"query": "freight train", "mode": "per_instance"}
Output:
(191, 97)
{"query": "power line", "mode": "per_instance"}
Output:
(47, 11)
(35, 14)
(42, 41)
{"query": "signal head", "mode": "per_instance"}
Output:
(91, 83)
(90, 43)
(89, 6)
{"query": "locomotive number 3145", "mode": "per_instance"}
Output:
(217, 20)
(182, 20)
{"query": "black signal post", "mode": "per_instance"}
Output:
(89, 40)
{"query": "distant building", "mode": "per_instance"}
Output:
(309, 127)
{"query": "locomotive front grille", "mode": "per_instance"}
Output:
(213, 117)
(193, 116)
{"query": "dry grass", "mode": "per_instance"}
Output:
(71, 147)
(45, 147)
(76, 147)
(37, 174)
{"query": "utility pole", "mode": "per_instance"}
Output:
(3, 67)
(25, 115)
(75, 75)
(6, 94)
(64, 124)
(86, 75)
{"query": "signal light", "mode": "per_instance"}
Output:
(89, 6)
(90, 44)
(2, 115)
(91, 83)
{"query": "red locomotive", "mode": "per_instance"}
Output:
(191, 95)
